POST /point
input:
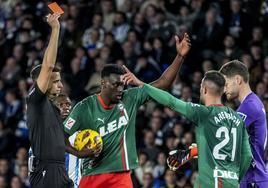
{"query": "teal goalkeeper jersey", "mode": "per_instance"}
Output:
(115, 125)
(224, 153)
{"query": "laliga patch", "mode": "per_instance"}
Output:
(242, 115)
(70, 122)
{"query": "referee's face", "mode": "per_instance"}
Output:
(55, 85)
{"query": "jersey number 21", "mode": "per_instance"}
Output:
(224, 142)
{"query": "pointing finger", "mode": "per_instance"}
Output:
(126, 69)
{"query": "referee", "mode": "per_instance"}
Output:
(46, 166)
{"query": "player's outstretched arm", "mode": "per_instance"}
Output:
(166, 99)
(159, 95)
(50, 56)
(167, 78)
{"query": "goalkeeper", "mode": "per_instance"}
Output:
(224, 153)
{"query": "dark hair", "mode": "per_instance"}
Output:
(235, 67)
(111, 69)
(217, 78)
(36, 71)
(62, 95)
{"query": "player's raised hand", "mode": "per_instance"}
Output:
(53, 20)
(130, 78)
(183, 46)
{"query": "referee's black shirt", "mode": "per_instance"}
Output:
(45, 127)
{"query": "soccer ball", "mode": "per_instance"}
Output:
(87, 138)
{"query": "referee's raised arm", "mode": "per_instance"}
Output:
(50, 56)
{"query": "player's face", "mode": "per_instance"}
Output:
(55, 85)
(65, 105)
(115, 87)
(231, 88)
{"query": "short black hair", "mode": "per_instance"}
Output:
(217, 78)
(235, 67)
(36, 71)
(111, 69)
(62, 95)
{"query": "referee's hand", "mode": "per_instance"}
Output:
(53, 20)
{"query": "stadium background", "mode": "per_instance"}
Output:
(140, 34)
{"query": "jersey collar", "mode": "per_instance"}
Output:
(216, 105)
(103, 104)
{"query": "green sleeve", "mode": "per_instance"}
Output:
(74, 121)
(137, 95)
(246, 155)
(193, 112)
(166, 99)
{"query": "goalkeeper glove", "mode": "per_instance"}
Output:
(177, 158)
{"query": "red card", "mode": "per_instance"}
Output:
(55, 8)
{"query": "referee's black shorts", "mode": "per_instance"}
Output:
(50, 175)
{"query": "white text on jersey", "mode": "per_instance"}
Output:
(114, 125)
(224, 115)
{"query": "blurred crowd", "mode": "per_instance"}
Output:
(139, 34)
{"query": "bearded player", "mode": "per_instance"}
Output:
(253, 113)
(223, 145)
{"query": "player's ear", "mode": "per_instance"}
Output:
(224, 88)
(205, 89)
(238, 79)
(102, 83)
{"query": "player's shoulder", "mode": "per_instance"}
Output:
(252, 98)
(199, 106)
(232, 111)
(88, 101)
(132, 90)
(253, 102)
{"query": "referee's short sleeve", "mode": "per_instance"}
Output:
(35, 96)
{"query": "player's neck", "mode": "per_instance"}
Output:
(106, 99)
(213, 101)
(244, 92)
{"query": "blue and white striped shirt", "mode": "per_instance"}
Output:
(73, 164)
